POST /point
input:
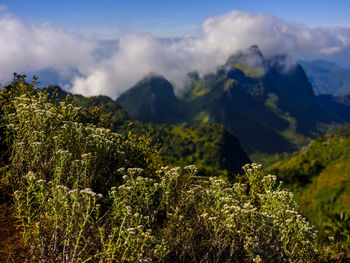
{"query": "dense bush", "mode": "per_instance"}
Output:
(173, 217)
(48, 140)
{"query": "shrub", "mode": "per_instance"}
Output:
(47, 140)
(172, 217)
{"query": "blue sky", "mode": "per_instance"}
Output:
(103, 19)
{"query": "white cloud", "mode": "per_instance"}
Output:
(30, 47)
(240, 29)
(220, 37)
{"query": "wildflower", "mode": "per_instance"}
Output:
(65, 188)
(204, 215)
(41, 181)
(129, 208)
(257, 259)
(85, 155)
(121, 170)
(135, 170)
(30, 174)
(17, 192)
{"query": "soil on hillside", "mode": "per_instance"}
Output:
(11, 241)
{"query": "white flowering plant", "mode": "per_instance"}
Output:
(56, 220)
(49, 140)
(203, 219)
(175, 214)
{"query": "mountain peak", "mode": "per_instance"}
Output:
(254, 50)
(157, 85)
(150, 99)
(251, 57)
(152, 75)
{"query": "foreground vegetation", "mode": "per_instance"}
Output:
(83, 193)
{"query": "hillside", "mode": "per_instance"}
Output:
(320, 173)
(210, 147)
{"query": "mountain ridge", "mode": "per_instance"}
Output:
(270, 113)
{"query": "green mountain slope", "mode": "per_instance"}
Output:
(237, 102)
(320, 173)
(212, 148)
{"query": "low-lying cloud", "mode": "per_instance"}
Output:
(32, 48)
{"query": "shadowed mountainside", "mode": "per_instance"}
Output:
(269, 106)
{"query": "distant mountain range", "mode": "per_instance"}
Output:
(268, 105)
(327, 77)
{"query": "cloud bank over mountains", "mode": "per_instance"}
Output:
(30, 48)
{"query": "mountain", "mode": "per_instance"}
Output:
(320, 173)
(268, 104)
(236, 101)
(151, 100)
(327, 77)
